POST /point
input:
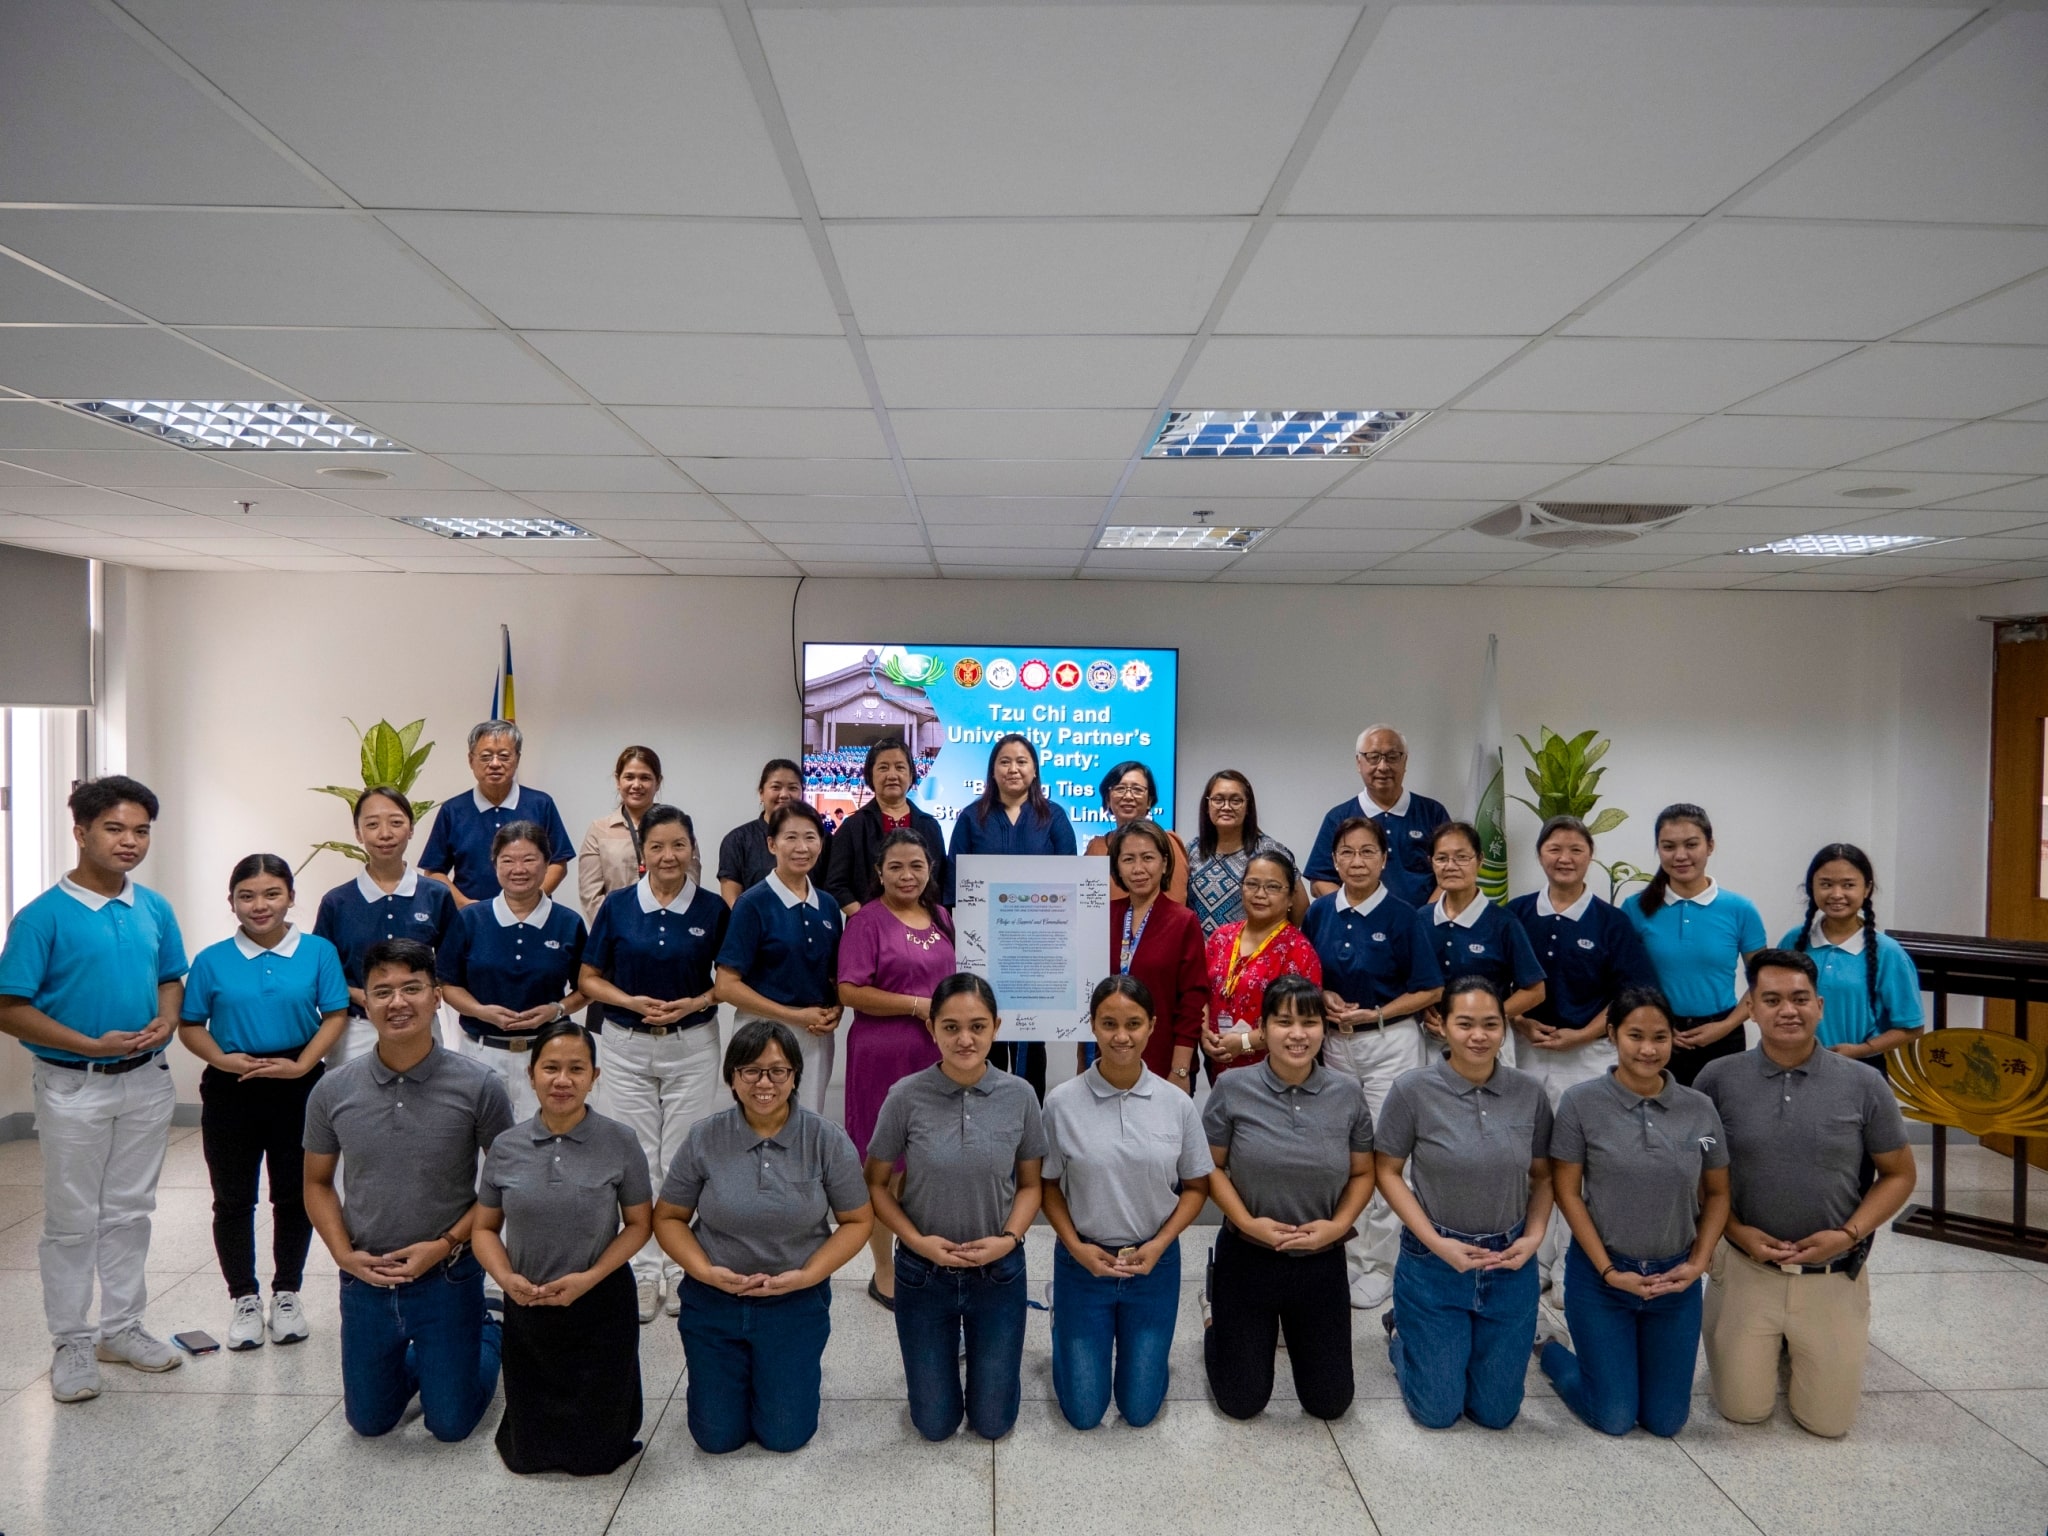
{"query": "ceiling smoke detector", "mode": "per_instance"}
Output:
(1577, 524)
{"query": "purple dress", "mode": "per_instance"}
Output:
(879, 951)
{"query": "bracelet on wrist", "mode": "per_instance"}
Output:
(1610, 1269)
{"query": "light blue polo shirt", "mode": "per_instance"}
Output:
(265, 1001)
(1695, 944)
(1846, 1017)
(91, 962)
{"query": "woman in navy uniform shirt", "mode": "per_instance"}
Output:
(744, 858)
(647, 970)
(388, 900)
(1473, 937)
(509, 965)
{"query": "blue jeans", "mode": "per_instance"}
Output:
(1096, 1319)
(933, 1305)
(1635, 1357)
(1461, 1340)
(755, 1369)
(430, 1336)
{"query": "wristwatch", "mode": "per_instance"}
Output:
(1180, 1071)
(456, 1247)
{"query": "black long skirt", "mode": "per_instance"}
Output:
(572, 1382)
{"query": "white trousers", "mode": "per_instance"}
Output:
(660, 1086)
(103, 1141)
(1375, 1058)
(510, 1066)
(820, 1052)
(1557, 1071)
(358, 1039)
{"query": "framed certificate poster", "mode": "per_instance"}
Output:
(1037, 928)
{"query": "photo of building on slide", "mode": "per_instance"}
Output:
(1084, 710)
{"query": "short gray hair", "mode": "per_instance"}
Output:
(1359, 745)
(491, 728)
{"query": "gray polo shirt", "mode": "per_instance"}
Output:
(764, 1203)
(561, 1195)
(1797, 1137)
(1469, 1146)
(1642, 1160)
(408, 1142)
(960, 1148)
(1120, 1154)
(1287, 1148)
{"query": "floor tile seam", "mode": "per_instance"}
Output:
(333, 1408)
(2008, 1439)
(648, 1432)
(1351, 1472)
(1733, 1503)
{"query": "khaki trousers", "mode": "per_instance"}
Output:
(1823, 1319)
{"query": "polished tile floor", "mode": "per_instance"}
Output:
(1953, 1436)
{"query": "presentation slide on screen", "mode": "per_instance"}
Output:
(1084, 709)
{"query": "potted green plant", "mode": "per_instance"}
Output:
(391, 755)
(1565, 776)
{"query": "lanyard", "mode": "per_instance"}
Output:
(1239, 960)
(1132, 940)
(633, 831)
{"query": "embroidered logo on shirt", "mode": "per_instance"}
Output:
(423, 917)
(1477, 949)
(550, 943)
(1707, 1143)
(1379, 938)
(1585, 943)
(1416, 833)
(696, 933)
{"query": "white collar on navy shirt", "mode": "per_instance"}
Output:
(93, 900)
(284, 948)
(683, 898)
(1372, 807)
(1464, 919)
(371, 891)
(1364, 908)
(1575, 911)
(788, 897)
(537, 918)
(1703, 899)
(509, 803)
(1853, 945)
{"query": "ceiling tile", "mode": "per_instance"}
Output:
(271, 502)
(570, 472)
(1341, 541)
(1527, 437)
(437, 428)
(950, 538)
(1013, 109)
(601, 565)
(1315, 277)
(296, 561)
(413, 471)
(27, 297)
(851, 534)
(1324, 576)
(965, 571)
(824, 560)
(1513, 109)
(1915, 379)
(1023, 511)
(1508, 556)
(1777, 522)
(1392, 513)
(129, 362)
(436, 503)
(1336, 374)
(638, 532)
(1945, 523)
(618, 274)
(2021, 496)
(1217, 511)
(605, 108)
(1825, 489)
(770, 566)
(707, 370)
(725, 432)
(1961, 142)
(1015, 477)
(1546, 576)
(1013, 278)
(1025, 372)
(1743, 277)
(102, 467)
(1586, 374)
(455, 565)
(1680, 580)
(1450, 482)
(624, 506)
(1413, 579)
(364, 364)
(1989, 447)
(1276, 477)
(795, 477)
(854, 511)
(1042, 434)
(1661, 483)
(2020, 314)
(1780, 442)
(70, 501)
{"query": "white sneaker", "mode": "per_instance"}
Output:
(136, 1346)
(673, 1285)
(74, 1375)
(287, 1318)
(246, 1331)
(1370, 1289)
(648, 1288)
(1550, 1325)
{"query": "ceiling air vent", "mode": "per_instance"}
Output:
(1577, 524)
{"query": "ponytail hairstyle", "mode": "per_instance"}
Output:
(1846, 853)
(928, 898)
(1571, 824)
(261, 864)
(1121, 985)
(382, 792)
(1633, 1000)
(1035, 802)
(1651, 902)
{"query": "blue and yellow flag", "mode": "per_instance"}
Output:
(503, 706)
(1489, 802)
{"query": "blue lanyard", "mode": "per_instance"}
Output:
(1130, 944)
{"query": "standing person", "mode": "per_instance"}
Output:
(1246, 957)
(1478, 1134)
(461, 850)
(647, 969)
(1379, 972)
(388, 900)
(1014, 816)
(743, 1210)
(509, 965)
(1697, 936)
(1126, 1170)
(1640, 1166)
(1802, 1123)
(780, 958)
(1155, 939)
(1868, 984)
(744, 857)
(971, 1141)
(1407, 818)
(411, 1118)
(91, 982)
(564, 1202)
(1226, 836)
(856, 851)
(896, 951)
(611, 858)
(260, 1010)
(1293, 1146)
(1130, 794)
(1474, 937)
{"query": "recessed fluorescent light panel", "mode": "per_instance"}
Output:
(1228, 541)
(499, 527)
(1278, 434)
(265, 426)
(1836, 546)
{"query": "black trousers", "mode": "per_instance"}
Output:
(572, 1382)
(1686, 1061)
(1255, 1295)
(1021, 1058)
(244, 1124)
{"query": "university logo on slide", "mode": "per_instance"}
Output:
(1002, 673)
(1067, 676)
(1034, 674)
(1137, 675)
(1102, 676)
(967, 672)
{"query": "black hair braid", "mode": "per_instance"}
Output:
(1870, 950)
(1805, 940)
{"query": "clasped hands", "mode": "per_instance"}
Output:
(131, 1042)
(653, 1010)
(556, 1293)
(733, 1283)
(1286, 1237)
(951, 1255)
(1466, 1257)
(1816, 1248)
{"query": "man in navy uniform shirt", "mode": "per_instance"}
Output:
(1405, 817)
(458, 851)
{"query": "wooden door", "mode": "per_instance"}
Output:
(2016, 903)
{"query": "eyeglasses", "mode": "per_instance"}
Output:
(1454, 858)
(1381, 759)
(1227, 802)
(754, 1076)
(1264, 887)
(411, 991)
(1128, 789)
(493, 758)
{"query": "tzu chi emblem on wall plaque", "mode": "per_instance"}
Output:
(1982, 1081)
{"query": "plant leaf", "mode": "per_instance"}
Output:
(346, 850)
(1607, 820)
(1580, 742)
(1598, 751)
(1526, 747)
(340, 792)
(409, 735)
(421, 807)
(1531, 804)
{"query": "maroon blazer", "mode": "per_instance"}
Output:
(1173, 963)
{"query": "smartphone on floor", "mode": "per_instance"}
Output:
(196, 1343)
